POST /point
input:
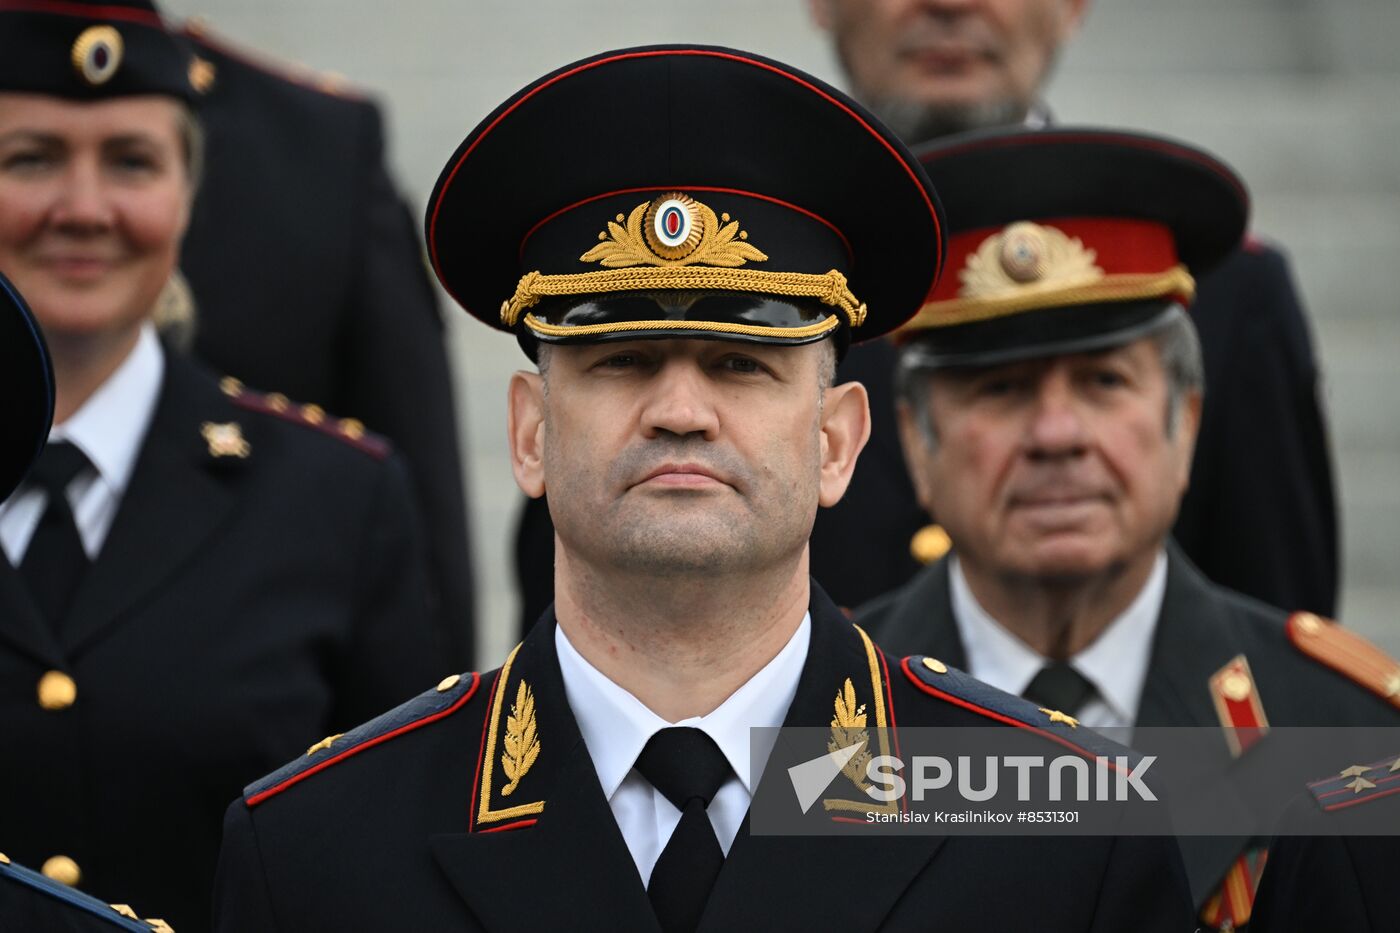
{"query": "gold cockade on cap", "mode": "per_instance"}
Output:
(1027, 256)
(675, 242)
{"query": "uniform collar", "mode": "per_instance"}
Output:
(112, 423)
(615, 725)
(1115, 663)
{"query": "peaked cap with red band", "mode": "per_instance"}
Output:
(26, 384)
(91, 50)
(684, 191)
(1068, 240)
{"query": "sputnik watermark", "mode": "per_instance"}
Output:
(977, 780)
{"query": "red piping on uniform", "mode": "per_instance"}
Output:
(683, 188)
(848, 819)
(1344, 789)
(1134, 142)
(990, 714)
(481, 754)
(1351, 803)
(259, 797)
(518, 824)
(437, 205)
(143, 17)
(889, 712)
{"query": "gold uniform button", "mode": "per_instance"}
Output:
(4, 859)
(935, 665)
(62, 869)
(448, 683)
(57, 691)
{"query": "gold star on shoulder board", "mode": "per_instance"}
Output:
(327, 742)
(1355, 771)
(225, 440)
(1057, 716)
(1360, 784)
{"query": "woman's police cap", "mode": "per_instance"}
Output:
(26, 384)
(684, 191)
(86, 50)
(1069, 240)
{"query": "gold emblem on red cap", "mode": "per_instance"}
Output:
(1024, 256)
(97, 54)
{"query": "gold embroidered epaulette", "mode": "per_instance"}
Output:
(449, 696)
(204, 76)
(1347, 653)
(350, 430)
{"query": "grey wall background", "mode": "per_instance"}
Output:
(1300, 95)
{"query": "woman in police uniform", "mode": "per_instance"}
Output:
(198, 581)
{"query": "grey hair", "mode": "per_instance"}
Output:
(1178, 347)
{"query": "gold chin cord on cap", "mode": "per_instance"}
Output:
(677, 243)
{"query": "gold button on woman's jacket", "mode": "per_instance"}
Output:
(57, 691)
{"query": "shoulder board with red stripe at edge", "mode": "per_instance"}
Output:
(428, 707)
(951, 685)
(1347, 653)
(1358, 784)
(197, 31)
(349, 430)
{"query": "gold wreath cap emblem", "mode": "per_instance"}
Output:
(97, 54)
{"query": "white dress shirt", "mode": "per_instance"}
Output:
(1115, 663)
(109, 429)
(616, 726)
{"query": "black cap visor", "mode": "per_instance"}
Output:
(1037, 334)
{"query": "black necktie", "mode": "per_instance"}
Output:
(55, 560)
(1059, 686)
(688, 768)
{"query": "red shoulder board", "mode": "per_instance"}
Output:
(350, 430)
(1347, 653)
(443, 700)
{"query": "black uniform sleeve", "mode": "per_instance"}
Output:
(394, 648)
(398, 382)
(1261, 515)
(1144, 888)
(242, 902)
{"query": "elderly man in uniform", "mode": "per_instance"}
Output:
(685, 283)
(1051, 397)
(1260, 516)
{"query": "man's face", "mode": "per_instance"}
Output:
(679, 457)
(1058, 469)
(933, 67)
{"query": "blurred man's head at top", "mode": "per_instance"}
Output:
(929, 68)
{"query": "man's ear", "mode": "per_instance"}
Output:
(525, 430)
(822, 13)
(1071, 18)
(916, 452)
(845, 428)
